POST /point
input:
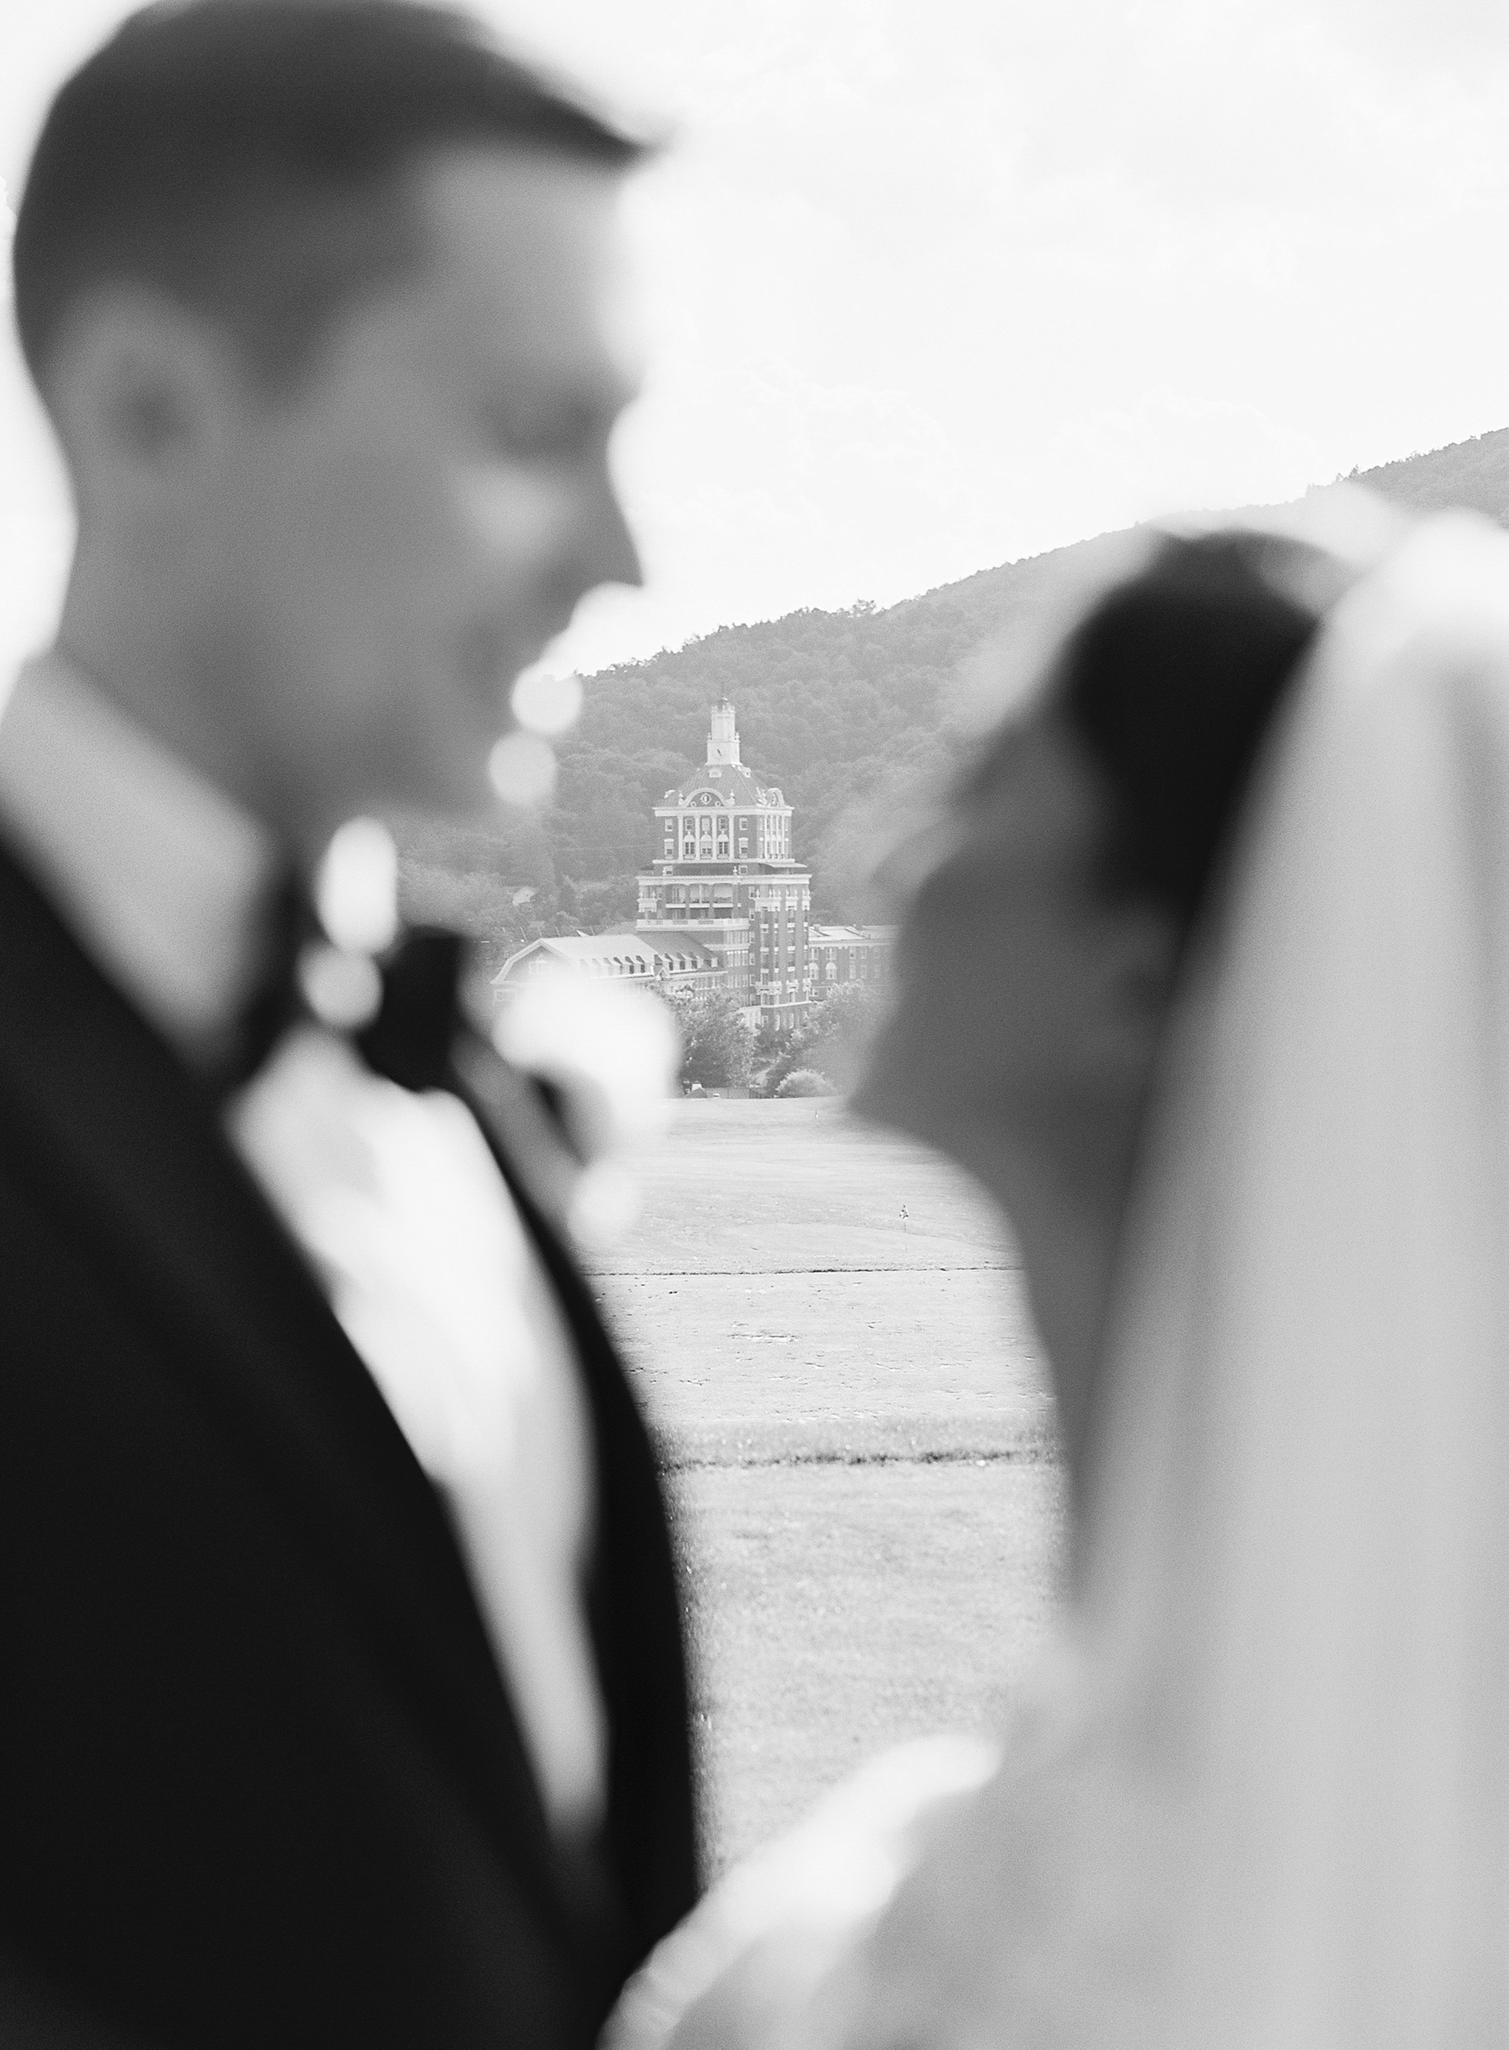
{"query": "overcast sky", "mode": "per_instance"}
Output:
(940, 283)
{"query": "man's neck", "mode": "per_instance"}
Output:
(141, 680)
(126, 636)
(158, 873)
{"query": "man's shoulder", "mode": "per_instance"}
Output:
(53, 989)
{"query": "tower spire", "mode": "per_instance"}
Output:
(722, 735)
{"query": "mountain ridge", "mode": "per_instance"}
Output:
(837, 708)
(829, 699)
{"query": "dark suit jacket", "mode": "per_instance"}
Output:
(260, 1783)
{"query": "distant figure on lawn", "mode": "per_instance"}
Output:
(342, 1698)
(1204, 972)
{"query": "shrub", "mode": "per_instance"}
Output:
(805, 1082)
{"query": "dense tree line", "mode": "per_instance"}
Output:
(846, 711)
(718, 1051)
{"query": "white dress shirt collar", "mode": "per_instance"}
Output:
(159, 872)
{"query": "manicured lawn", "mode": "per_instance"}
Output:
(858, 1441)
(837, 1609)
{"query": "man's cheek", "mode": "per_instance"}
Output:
(511, 513)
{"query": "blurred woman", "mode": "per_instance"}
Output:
(1205, 974)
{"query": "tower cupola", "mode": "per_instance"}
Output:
(722, 736)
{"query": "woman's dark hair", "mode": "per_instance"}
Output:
(1170, 683)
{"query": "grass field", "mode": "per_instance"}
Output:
(828, 1332)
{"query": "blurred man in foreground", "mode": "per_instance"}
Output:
(343, 1696)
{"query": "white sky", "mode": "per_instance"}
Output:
(939, 283)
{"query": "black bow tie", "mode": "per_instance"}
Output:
(400, 1009)
(411, 1038)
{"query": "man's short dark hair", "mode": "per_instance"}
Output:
(247, 158)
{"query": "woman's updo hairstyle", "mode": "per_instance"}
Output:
(1171, 682)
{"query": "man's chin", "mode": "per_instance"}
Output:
(472, 803)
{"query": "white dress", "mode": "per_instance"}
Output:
(1260, 1798)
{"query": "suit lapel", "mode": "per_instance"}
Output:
(634, 1601)
(104, 1118)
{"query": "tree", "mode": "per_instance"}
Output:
(602, 905)
(771, 1041)
(832, 1038)
(771, 1056)
(715, 1047)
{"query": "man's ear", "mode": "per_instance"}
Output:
(139, 389)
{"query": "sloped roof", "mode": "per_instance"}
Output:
(672, 941)
(731, 781)
(623, 953)
(727, 778)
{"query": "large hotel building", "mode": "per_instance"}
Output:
(725, 905)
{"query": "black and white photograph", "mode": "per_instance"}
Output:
(754, 1065)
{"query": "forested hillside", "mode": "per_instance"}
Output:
(838, 708)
